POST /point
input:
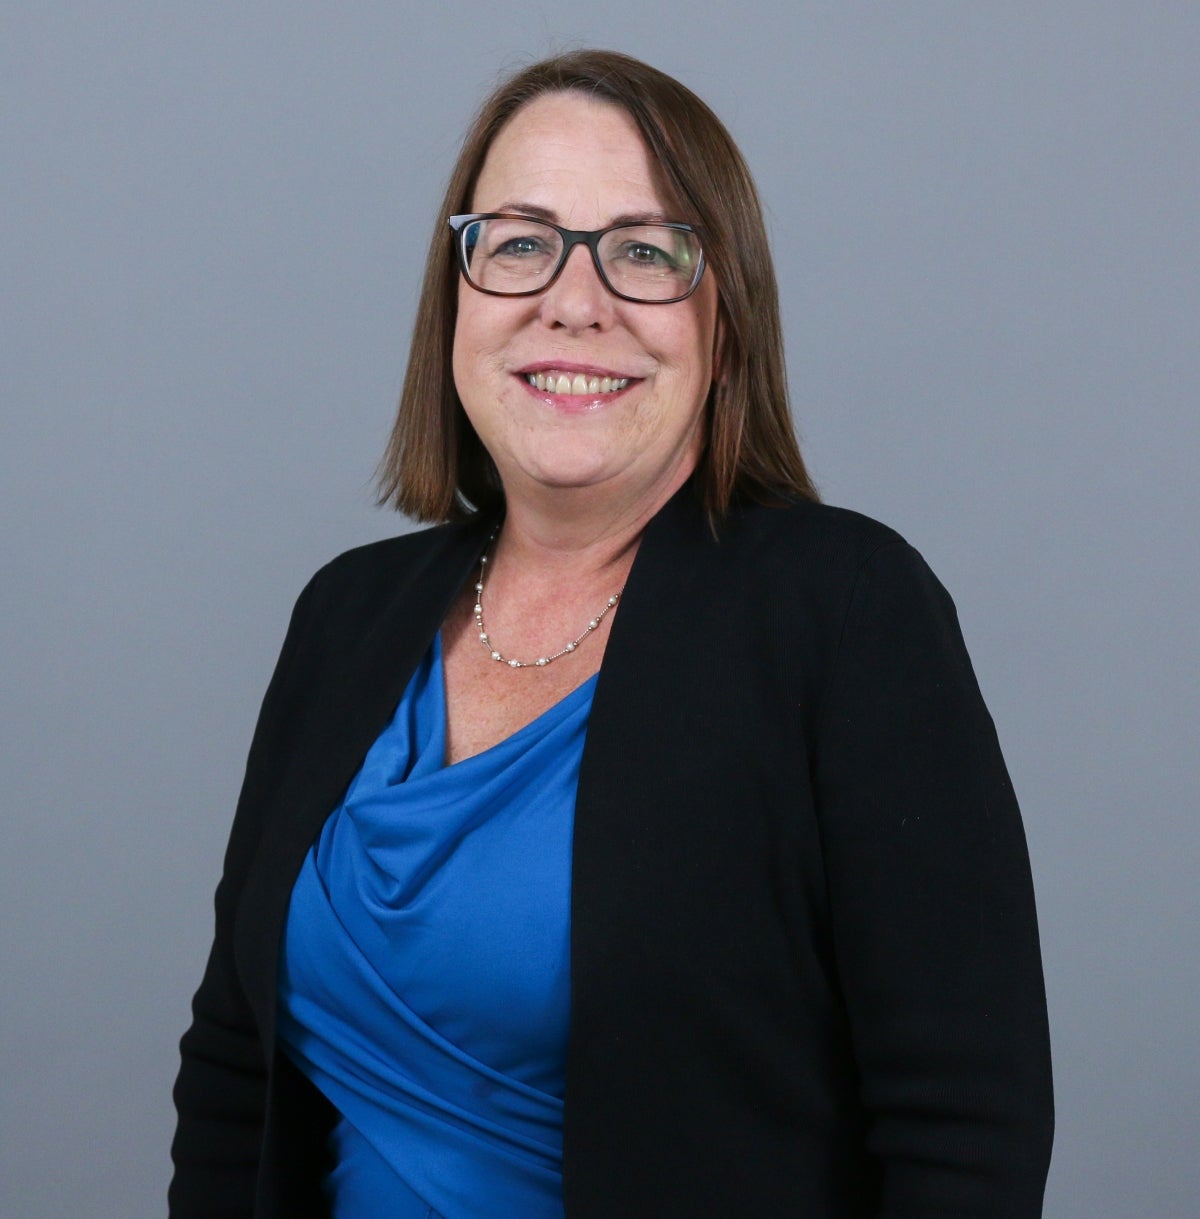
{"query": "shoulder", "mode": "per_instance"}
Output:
(811, 552)
(357, 594)
(802, 554)
(849, 563)
(837, 535)
(773, 585)
(380, 571)
(388, 558)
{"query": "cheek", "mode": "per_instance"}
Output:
(459, 362)
(472, 353)
(693, 334)
(692, 362)
(482, 330)
(465, 342)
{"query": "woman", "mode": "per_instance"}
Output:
(636, 843)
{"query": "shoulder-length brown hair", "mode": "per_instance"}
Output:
(435, 467)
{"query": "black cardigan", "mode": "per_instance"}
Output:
(805, 969)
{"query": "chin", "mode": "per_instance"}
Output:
(569, 479)
(566, 465)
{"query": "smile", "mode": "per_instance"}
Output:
(567, 383)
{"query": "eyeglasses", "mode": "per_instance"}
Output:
(507, 255)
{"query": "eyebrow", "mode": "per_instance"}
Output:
(535, 212)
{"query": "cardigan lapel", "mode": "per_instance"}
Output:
(360, 681)
(637, 689)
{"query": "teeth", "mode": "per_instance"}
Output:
(578, 384)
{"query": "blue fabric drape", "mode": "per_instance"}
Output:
(424, 980)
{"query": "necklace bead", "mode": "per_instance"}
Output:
(541, 661)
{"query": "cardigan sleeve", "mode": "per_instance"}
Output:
(220, 1092)
(931, 902)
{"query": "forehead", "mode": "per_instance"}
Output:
(581, 160)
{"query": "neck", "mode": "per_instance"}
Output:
(580, 526)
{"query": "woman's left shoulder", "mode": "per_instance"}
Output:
(818, 545)
(810, 524)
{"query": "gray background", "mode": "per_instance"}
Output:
(213, 217)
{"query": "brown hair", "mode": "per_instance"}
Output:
(435, 467)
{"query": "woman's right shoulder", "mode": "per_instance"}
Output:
(377, 572)
(373, 596)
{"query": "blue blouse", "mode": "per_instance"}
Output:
(424, 978)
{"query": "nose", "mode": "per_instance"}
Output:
(578, 300)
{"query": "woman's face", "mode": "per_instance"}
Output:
(582, 164)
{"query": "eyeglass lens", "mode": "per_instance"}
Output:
(649, 262)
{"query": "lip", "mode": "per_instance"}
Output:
(572, 404)
(587, 370)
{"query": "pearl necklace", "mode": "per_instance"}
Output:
(541, 661)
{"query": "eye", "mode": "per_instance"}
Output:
(643, 254)
(519, 247)
(511, 239)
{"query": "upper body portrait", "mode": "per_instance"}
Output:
(634, 840)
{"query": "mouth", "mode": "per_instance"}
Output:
(575, 384)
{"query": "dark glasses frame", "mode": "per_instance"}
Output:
(570, 239)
